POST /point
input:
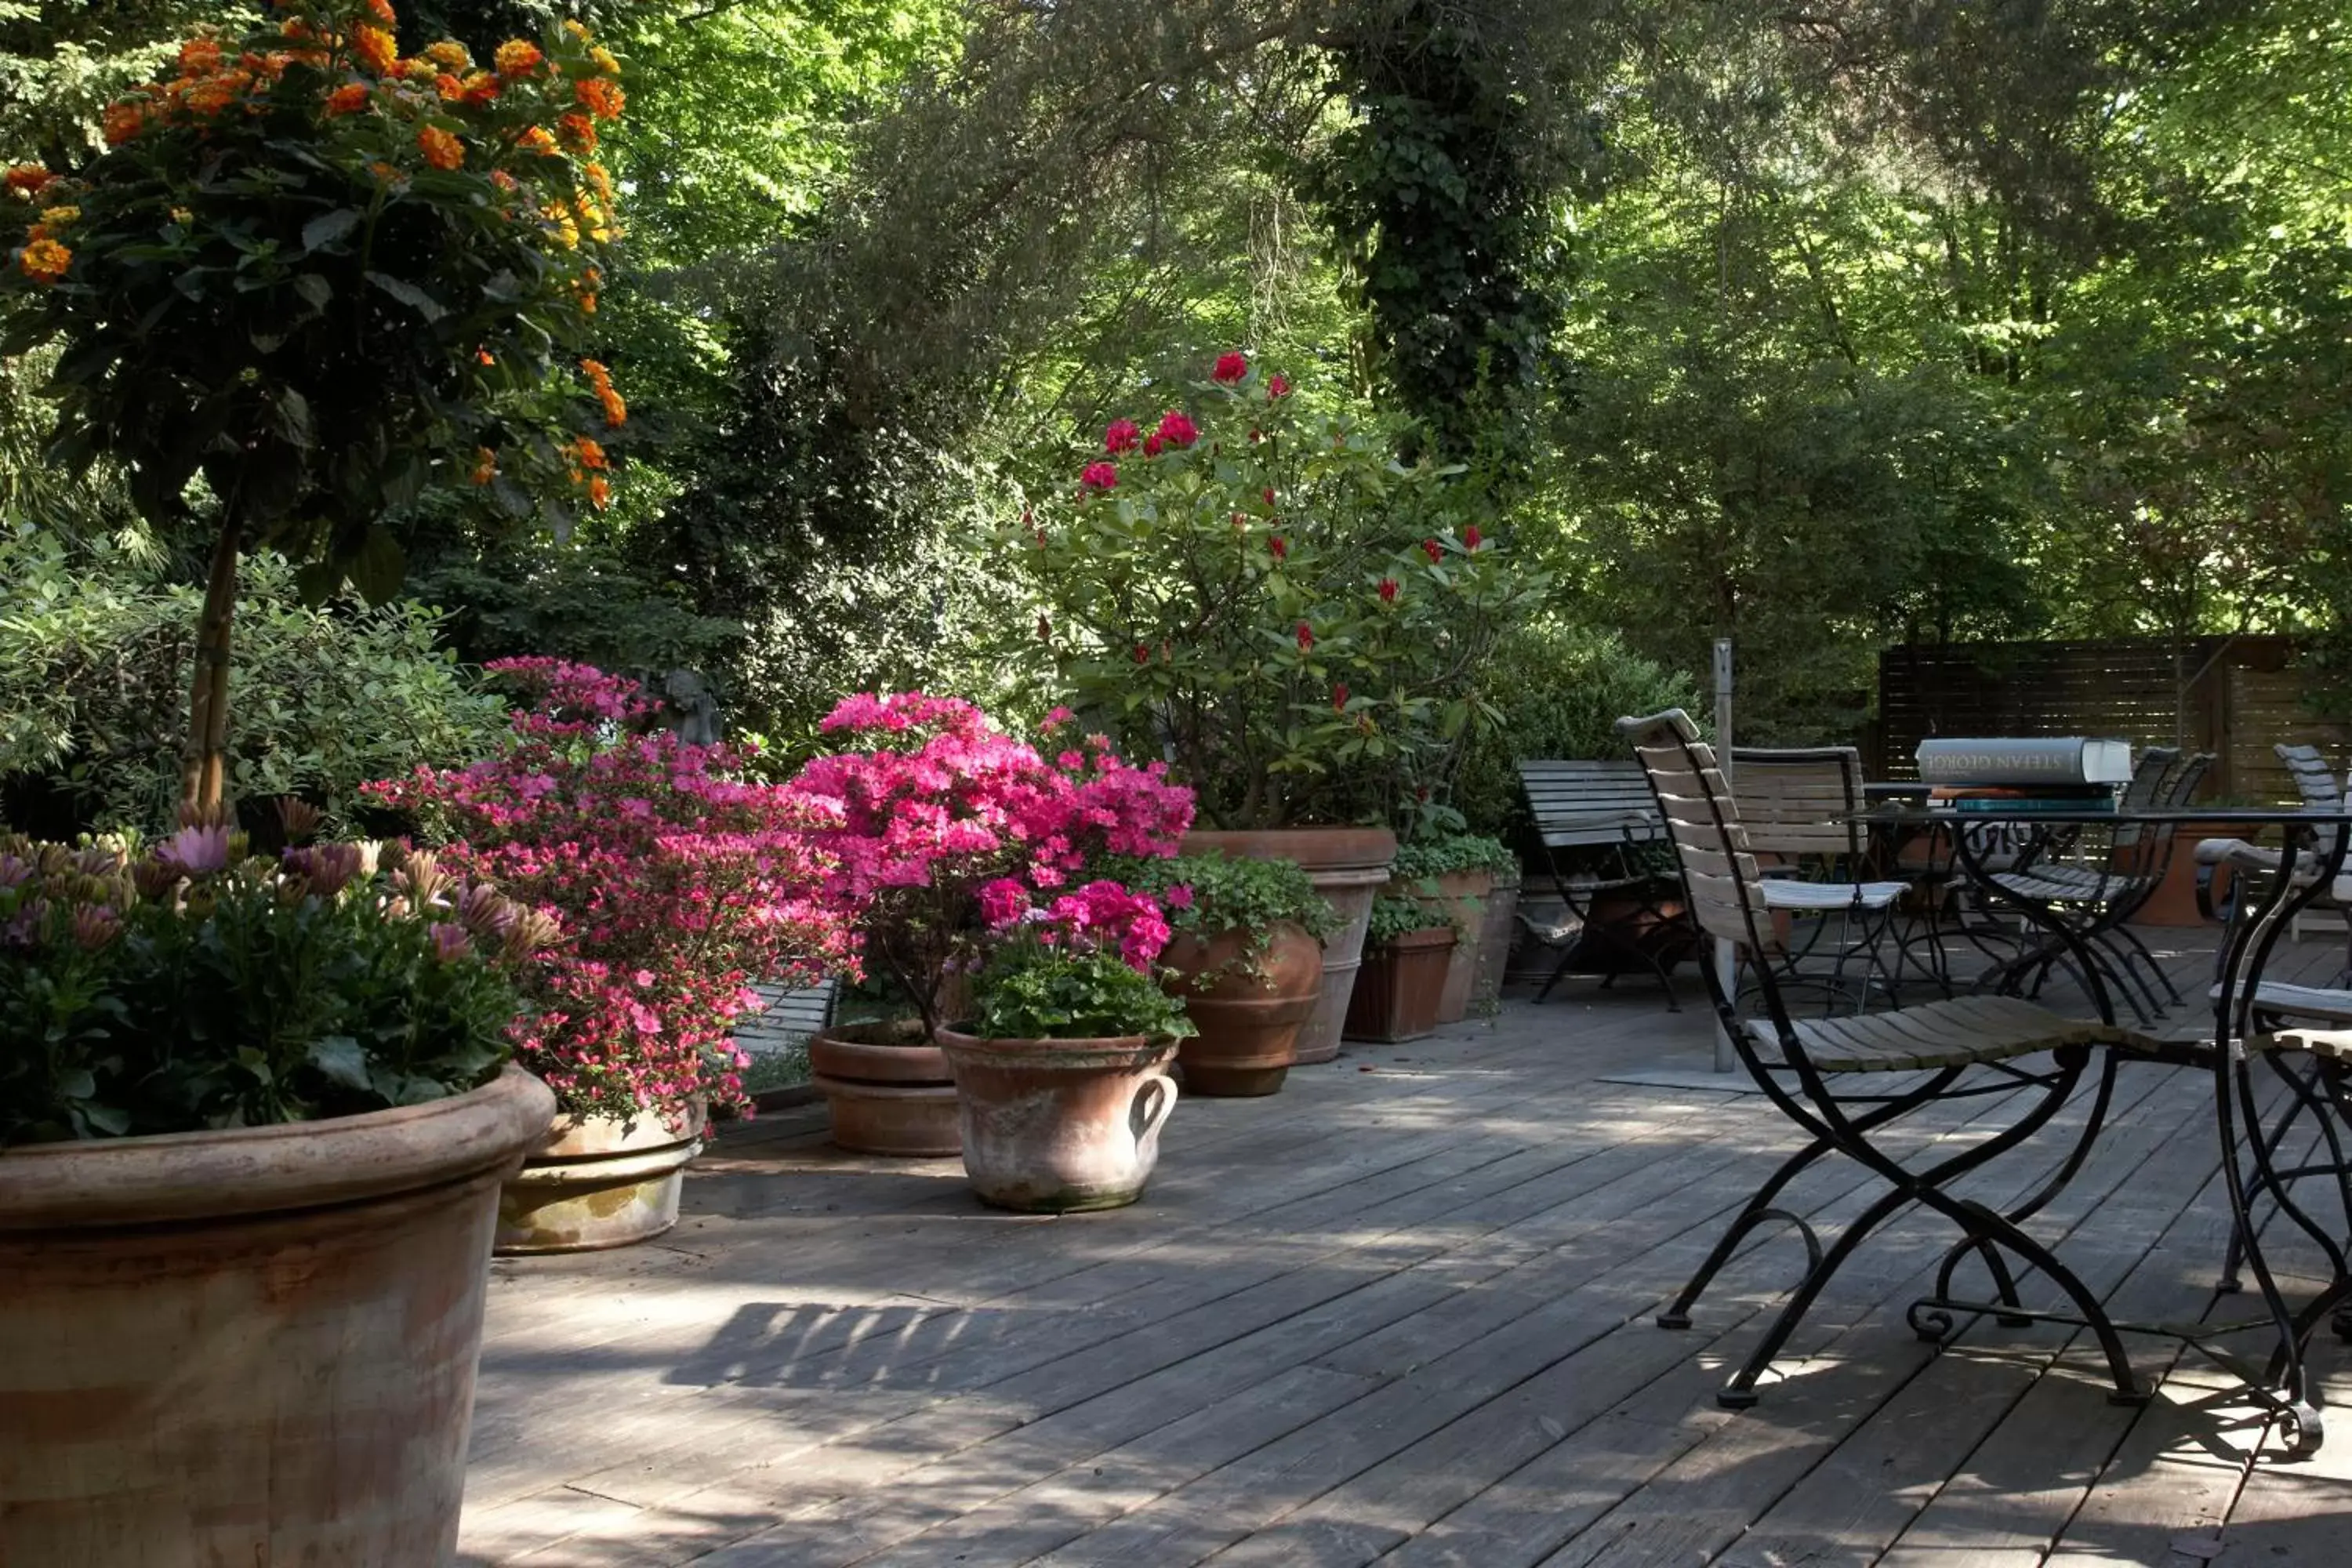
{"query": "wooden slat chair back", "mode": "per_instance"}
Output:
(1702, 817)
(1588, 805)
(1800, 803)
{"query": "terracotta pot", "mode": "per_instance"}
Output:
(1496, 932)
(1249, 1017)
(1054, 1126)
(1348, 866)
(600, 1182)
(250, 1346)
(888, 1090)
(1397, 998)
(1459, 897)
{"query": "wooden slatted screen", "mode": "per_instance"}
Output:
(2231, 696)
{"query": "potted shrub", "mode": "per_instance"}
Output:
(254, 1118)
(1407, 949)
(1256, 585)
(1061, 1075)
(676, 882)
(1245, 959)
(1454, 876)
(930, 801)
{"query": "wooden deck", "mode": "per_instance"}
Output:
(1397, 1314)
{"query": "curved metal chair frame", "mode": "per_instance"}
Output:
(1958, 1048)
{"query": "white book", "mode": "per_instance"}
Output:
(2025, 760)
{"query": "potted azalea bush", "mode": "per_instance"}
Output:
(305, 276)
(676, 880)
(1407, 950)
(248, 1102)
(1253, 584)
(926, 803)
(1062, 1073)
(1246, 959)
(1454, 875)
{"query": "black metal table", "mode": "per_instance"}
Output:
(2303, 872)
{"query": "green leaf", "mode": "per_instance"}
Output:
(315, 292)
(329, 227)
(339, 1056)
(409, 294)
(379, 567)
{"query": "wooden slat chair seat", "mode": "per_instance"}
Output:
(2279, 999)
(1833, 1077)
(1798, 897)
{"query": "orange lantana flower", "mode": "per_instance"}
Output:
(383, 12)
(536, 140)
(486, 464)
(600, 492)
(616, 411)
(602, 99)
(121, 122)
(28, 179)
(450, 55)
(577, 132)
(590, 452)
(375, 49)
(441, 149)
(45, 261)
(516, 57)
(348, 98)
(481, 87)
(199, 56)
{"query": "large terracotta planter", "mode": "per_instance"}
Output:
(599, 1182)
(1497, 929)
(250, 1346)
(1397, 995)
(1055, 1126)
(1248, 1018)
(889, 1091)
(1459, 897)
(1349, 865)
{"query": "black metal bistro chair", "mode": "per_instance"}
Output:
(1834, 1077)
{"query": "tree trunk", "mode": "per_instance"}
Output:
(207, 750)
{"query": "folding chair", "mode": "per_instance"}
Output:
(1830, 1076)
(1801, 807)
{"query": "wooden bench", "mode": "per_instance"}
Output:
(1601, 813)
(790, 1017)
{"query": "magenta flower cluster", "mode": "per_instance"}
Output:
(1100, 917)
(934, 803)
(676, 883)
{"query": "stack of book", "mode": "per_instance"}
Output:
(2035, 773)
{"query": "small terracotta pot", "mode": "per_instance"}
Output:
(254, 1345)
(600, 1182)
(887, 1090)
(1347, 866)
(1396, 999)
(1055, 1126)
(1459, 897)
(1495, 934)
(1250, 1013)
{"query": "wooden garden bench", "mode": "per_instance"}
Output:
(1602, 811)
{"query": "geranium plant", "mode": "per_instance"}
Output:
(1209, 895)
(676, 883)
(1258, 585)
(321, 275)
(188, 987)
(933, 802)
(1076, 967)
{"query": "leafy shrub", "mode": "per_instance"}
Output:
(1208, 895)
(191, 987)
(1419, 860)
(1395, 917)
(1560, 690)
(95, 644)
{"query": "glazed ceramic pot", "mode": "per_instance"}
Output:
(1055, 1126)
(600, 1182)
(1249, 1011)
(1397, 998)
(1349, 865)
(887, 1090)
(254, 1345)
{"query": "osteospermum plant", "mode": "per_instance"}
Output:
(323, 275)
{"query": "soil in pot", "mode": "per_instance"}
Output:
(1397, 995)
(600, 1182)
(1057, 1126)
(254, 1345)
(1250, 1014)
(887, 1090)
(1349, 865)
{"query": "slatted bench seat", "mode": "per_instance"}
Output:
(790, 1017)
(1602, 811)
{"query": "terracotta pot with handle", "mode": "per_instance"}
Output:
(1349, 865)
(1251, 1010)
(254, 1345)
(1055, 1126)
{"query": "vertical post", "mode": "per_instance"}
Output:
(1726, 960)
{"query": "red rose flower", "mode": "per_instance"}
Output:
(1120, 436)
(1176, 429)
(1388, 590)
(1277, 387)
(1306, 637)
(1231, 368)
(1098, 477)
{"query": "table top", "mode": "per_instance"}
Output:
(2179, 815)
